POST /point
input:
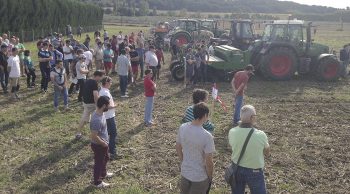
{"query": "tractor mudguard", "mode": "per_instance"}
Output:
(322, 56)
(267, 47)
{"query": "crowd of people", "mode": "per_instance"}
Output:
(67, 64)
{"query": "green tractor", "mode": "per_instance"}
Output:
(285, 49)
(187, 30)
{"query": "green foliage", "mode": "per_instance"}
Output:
(45, 14)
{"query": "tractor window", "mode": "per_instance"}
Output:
(207, 24)
(279, 32)
(182, 25)
(246, 30)
(191, 26)
(295, 33)
(267, 33)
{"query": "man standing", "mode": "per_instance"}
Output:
(239, 85)
(108, 58)
(204, 63)
(100, 141)
(250, 168)
(123, 68)
(4, 75)
(15, 72)
(141, 53)
(82, 71)
(98, 54)
(195, 148)
(56, 56)
(59, 80)
(44, 63)
(90, 96)
(68, 56)
(110, 116)
(135, 61)
(150, 89)
(151, 61)
(160, 58)
(21, 49)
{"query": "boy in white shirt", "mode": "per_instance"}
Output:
(15, 72)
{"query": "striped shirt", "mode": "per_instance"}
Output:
(189, 118)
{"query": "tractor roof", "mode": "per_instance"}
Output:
(290, 22)
(241, 21)
(190, 20)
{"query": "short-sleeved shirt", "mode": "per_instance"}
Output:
(20, 46)
(88, 93)
(98, 53)
(44, 55)
(195, 142)
(132, 55)
(240, 77)
(98, 124)
(189, 117)
(141, 53)
(151, 58)
(254, 155)
(111, 112)
(88, 55)
(107, 55)
(123, 63)
(148, 85)
(14, 63)
(81, 65)
(68, 49)
(58, 74)
(28, 62)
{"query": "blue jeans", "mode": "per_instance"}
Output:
(45, 75)
(112, 132)
(63, 93)
(148, 109)
(123, 82)
(4, 79)
(238, 106)
(253, 178)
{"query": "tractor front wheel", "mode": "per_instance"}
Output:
(174, 64)
(329, 69)
(279, 64)
(178, 73)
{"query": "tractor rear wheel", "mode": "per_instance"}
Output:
(329, 69)
(182, 37)
(174, 64)
(279, 64)
(178, 73)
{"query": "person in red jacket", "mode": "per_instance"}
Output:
(150, 89)
(160, 57)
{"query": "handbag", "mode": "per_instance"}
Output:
(231, 171)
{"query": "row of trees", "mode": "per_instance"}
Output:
(45, 14)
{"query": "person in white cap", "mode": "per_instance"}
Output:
(82, 71)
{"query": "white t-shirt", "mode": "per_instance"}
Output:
(88, 55)
(111, 112)
(151, 58)
(67, 49)
(13, 62)
(80, 66)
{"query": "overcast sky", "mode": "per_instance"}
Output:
(329, 3)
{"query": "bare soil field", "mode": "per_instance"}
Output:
(307, 123)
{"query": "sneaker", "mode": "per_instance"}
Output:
(109, 175)
(78, 136)
(125, 96)
(103, 185)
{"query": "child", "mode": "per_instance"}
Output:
(198, 96)
(15, 72)
(150, 88)
(59, 80)
(29, 69)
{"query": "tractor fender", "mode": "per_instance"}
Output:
(325, 55)
(266, 48)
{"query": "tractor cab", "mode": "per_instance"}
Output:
(187, 25)
(242, 34)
